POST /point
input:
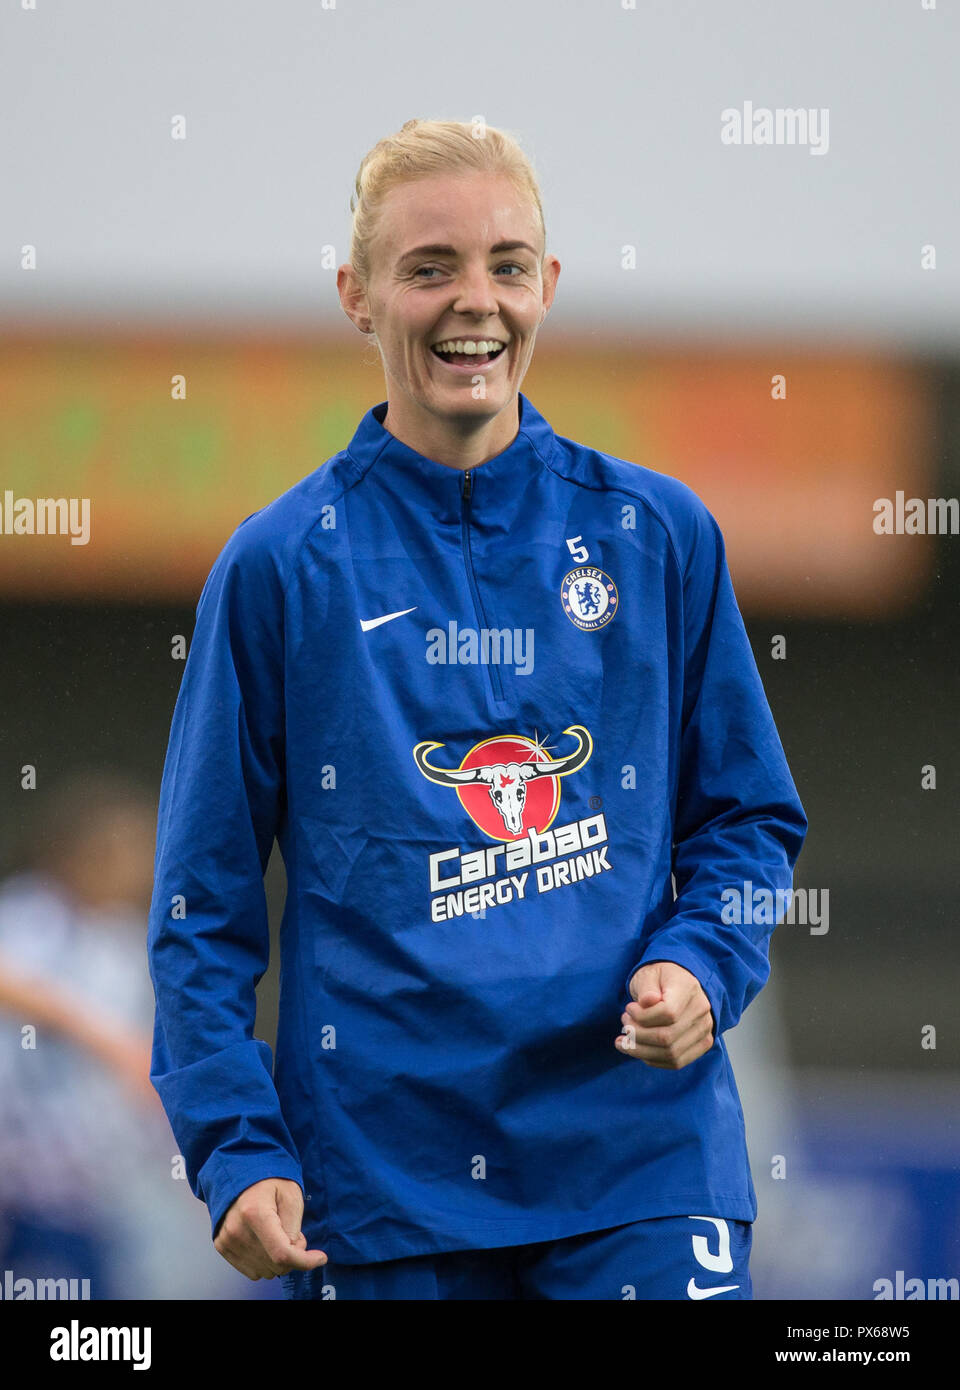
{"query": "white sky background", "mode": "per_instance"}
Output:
(619, 110)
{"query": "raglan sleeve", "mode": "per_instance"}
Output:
(738, 818)
(221, 798)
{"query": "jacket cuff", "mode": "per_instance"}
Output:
(698, 967)
(222, 1180)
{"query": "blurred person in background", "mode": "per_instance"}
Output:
(88, 1165)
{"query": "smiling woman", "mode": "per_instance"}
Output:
(452, 1113)
(449, 274)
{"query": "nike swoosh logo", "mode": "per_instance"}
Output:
(367, 623)
(694, 1292)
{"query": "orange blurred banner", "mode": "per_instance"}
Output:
(792, 481)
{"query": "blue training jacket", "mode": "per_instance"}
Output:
(486, 714)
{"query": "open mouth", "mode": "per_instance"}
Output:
(468, 359)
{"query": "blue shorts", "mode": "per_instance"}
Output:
(667, 1257)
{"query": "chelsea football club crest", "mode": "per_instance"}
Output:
(589, 597)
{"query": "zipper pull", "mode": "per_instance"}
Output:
(467, 485)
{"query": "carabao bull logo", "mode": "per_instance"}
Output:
(509, 784)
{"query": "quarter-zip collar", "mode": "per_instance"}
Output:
(495, 486)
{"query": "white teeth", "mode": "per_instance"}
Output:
(468, 345)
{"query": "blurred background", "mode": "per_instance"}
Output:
(175, 202)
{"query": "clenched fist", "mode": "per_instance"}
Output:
(260, 1234)
(670, 1022)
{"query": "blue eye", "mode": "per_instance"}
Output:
(506, 266)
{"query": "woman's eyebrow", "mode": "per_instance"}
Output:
(440, 249)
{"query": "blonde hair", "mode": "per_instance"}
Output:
(420, 148)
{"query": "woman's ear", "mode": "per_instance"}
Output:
(353, 298)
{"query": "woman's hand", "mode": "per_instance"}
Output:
(670, 1023)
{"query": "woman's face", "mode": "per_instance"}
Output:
(455, 257)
